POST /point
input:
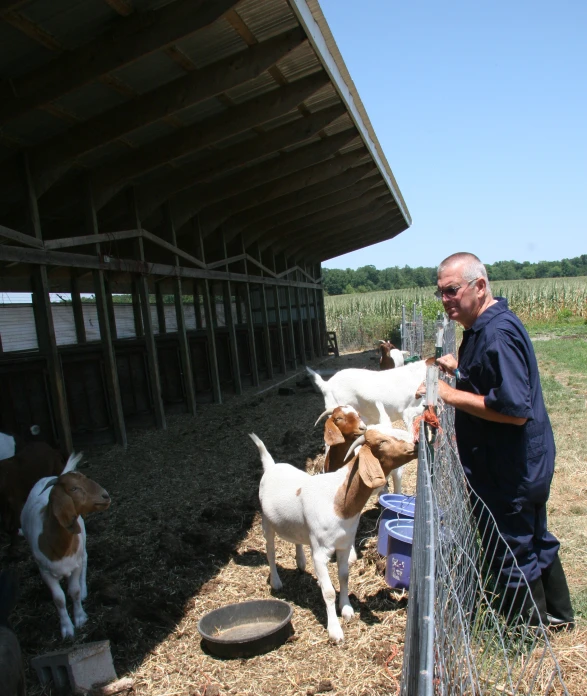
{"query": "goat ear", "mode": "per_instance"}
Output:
(64, 509)
(332, 435)
(370, 469)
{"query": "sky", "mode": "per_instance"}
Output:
(480, 107)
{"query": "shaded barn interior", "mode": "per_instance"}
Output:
(202, 158)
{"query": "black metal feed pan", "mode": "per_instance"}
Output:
(246, 628)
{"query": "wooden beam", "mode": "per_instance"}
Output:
(211, 335)
(265, 321)
(81, 240)
(250, 322)
(150, 345)
(316, 207)
(377, 233)
(14, 254)
(246, 222)
(302, 341)
(107, 329)
(293, 182)
(77, 306)
(265, 173)
(280, 341)
(110, 177)
(233, 347)
(44, 322)
(159, 306)
(49, 158)
(20, 237)
(290, 326)
(126, 40)
(9, 5)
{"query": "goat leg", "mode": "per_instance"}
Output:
(75, 592)
(342, 560)
(300, 557)
(67, 629)
(269, 534)
(320, 556)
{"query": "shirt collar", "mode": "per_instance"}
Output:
(485, 317)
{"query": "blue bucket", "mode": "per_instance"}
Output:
(400, 535)
(395, 506)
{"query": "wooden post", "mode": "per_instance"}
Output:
(323, 314)
(265, 320)
(283, 364)
(143, 291)
(160, 308)
(184, 346)
(250, 323)
(44, 322)
(300, 325)
(104, 321)
(136, 308)
(227, 288)
(290, 324)
(78, 310)
(309, 320)
(110, 306)
(213, 356)
(319, 330)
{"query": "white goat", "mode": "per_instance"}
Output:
(323, 511)
(362, 389)
(53, 525)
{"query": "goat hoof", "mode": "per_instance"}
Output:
(347, 612)
(81, 619)
(336, 635)
(276, 584)
(67, 630)
(352, 556)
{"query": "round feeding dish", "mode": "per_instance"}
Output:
(246, 628)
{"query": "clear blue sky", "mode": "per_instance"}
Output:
(480, 107)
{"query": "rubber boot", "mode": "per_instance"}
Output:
(517, 601)
(558, 601)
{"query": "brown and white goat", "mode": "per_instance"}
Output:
(389, 356)
(52, 523)
(342, 427)
(19, 474)
(323, 511)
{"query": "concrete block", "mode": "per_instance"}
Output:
(78, 669)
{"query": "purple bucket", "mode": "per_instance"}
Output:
(395, 507)
(400, 534)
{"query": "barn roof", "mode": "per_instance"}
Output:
(240, 115)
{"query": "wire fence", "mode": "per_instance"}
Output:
(464, 634)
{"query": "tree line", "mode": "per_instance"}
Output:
(367, 278)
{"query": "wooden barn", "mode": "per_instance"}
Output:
(201, 157)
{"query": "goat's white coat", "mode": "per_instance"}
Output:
(7, 446)
(72, 567)
(362, 389)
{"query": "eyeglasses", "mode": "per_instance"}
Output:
(452, 290)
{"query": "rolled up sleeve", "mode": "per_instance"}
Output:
(507, 365)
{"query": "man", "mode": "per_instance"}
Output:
(504, 437)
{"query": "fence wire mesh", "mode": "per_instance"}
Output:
(462, 635)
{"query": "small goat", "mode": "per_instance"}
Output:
(342, 427)
(52, 523)
(389, 356)
(12, 681)
(362, 389)
(18, 475)
(323, 511)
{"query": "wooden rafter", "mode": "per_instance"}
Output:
(126, 40)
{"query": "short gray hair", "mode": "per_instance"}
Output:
(472, 266)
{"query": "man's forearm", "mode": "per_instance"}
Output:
(474, 404)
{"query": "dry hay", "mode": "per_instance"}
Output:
(183, 537)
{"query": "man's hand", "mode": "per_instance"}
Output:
(443, 390)
(448, 363)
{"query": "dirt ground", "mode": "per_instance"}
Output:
(183, 536)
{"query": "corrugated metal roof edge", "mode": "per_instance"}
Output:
(310, 16)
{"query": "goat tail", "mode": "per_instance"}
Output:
(319, 383)
(8, 594)
(266, 459)
(72, 462)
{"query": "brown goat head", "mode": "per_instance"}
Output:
(75, 494)
(344, 425)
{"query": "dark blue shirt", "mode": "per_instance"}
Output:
(504, 462)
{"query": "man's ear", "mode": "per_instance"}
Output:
(332, 435)
(370, 469)
(64, 509)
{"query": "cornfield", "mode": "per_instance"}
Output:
(362, 319)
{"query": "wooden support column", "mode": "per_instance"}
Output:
(44, 322)
(319, 329)
(297, 292)
(323, 315)
(234, 353)
(212, 353)
(107, 328)
(309, 322)
(250, 323)
(110, 307)
(184, 346)
(282, 361)
(143, 291)
(78, 309)
(197, 305)
(290, 324)
(265, 320)
(160, 308)
(136, 308)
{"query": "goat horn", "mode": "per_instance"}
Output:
(359, 441)
(50, 483)
(328, 412)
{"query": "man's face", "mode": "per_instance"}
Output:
(464, 305)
